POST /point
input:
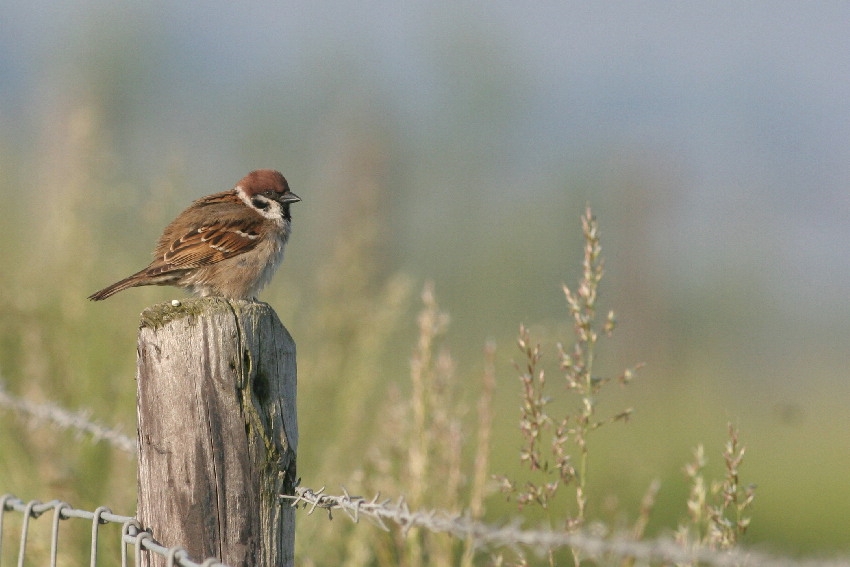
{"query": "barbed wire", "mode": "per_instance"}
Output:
(79, 421)
(131, 532)
(512, 536)
(381, 512)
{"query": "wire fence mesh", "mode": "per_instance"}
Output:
(132, 533)
(386, 513)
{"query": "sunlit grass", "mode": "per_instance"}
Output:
(363, 411)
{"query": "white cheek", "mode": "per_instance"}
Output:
(274, 210)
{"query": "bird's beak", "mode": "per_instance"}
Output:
(289, 197)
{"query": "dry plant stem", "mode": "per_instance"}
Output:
(420, 445)
(435, 436)
(534, 419)
(716, 515)
(579, 366)
(647, 504)
(485, 430)
(423, 457)
(732, 495)
(550, 443)
(431, 323)
(482, 453)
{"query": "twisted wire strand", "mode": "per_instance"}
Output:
(131, 532)
(386, 511)
(382, 511)
(78, 421)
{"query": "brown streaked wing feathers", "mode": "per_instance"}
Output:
(207, 242)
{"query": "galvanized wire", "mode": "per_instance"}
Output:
(663, 551)
(380, 511)
(131, 532)
(78, 421)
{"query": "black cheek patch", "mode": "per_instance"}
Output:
(261, 204)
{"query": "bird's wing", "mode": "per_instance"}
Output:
(213, 229)
(205, 243)
(211, 243)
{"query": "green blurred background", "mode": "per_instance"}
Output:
(456, 142)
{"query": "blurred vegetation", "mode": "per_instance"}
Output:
(387, 207)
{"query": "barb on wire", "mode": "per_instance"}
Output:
(75, 421)
(512, 535)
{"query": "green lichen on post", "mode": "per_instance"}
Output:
(159, 315)
(224, 379)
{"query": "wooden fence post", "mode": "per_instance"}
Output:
(217, 431)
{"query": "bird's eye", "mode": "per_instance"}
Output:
(260, 203)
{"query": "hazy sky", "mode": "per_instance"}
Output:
(748, 99)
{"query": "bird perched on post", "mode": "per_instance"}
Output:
(228, 244)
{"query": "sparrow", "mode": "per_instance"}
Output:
(227, 244)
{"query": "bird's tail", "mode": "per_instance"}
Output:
(111, 290)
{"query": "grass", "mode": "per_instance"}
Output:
(385, 403)
(437, 456)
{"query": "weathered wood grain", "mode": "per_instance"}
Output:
(217, 430)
